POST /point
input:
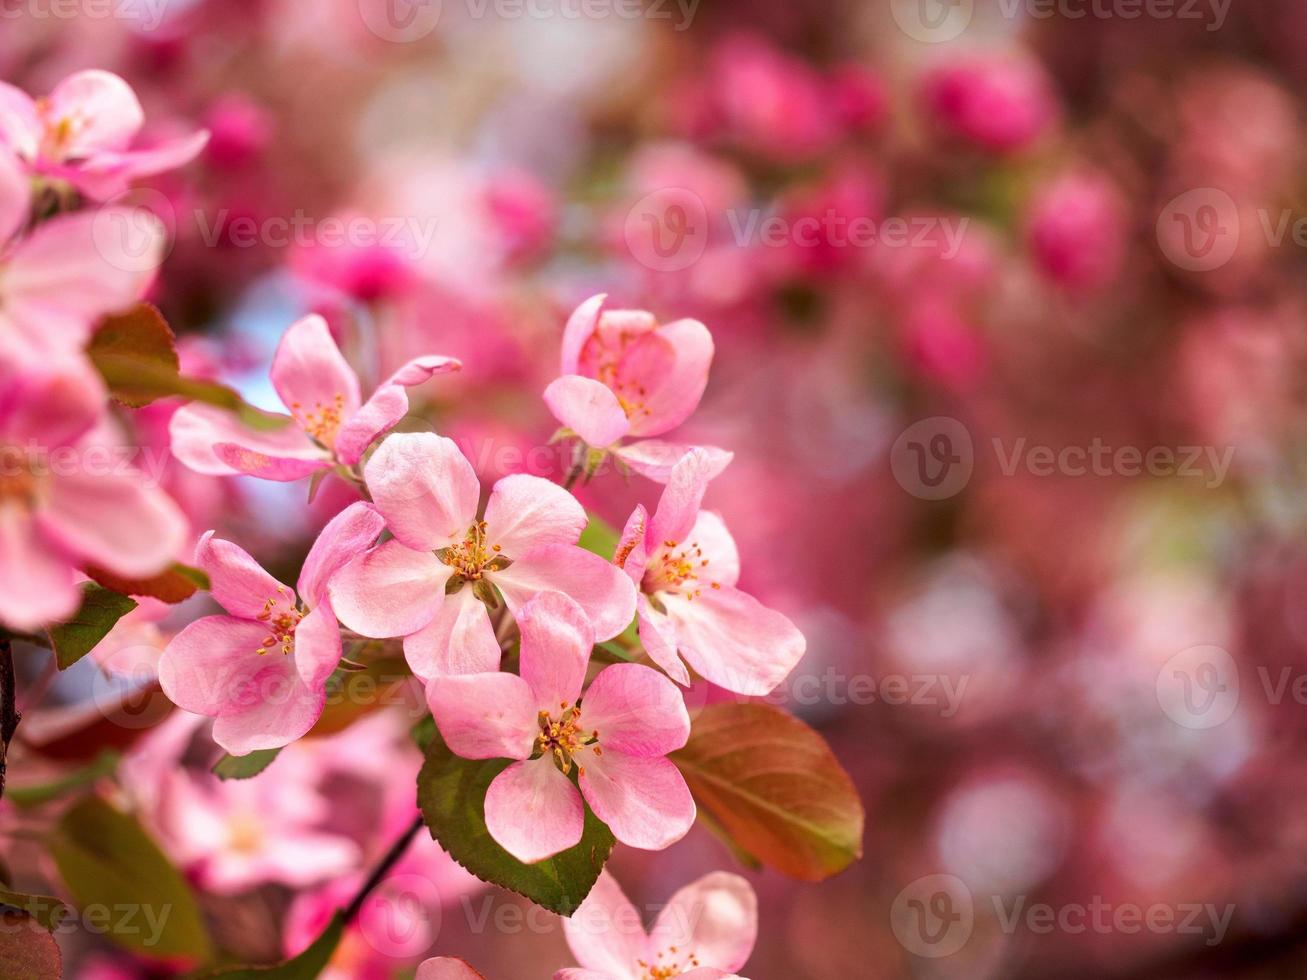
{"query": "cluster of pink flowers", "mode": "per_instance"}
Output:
(71, 496)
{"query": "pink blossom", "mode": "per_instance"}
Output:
(261, 671)
(705, 932)
(617, 738)
(234, 835)
(431, 583)
(624, 374)
(69, 497)
(1077, 231)
(1001, 103)
(82, 133)
(685, 564)
(331, 424)
(59, 280)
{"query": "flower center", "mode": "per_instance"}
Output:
(18, 484)
(662, 971)
(323, 421)
(244, 834)
(58, 132)
(678, 569)
(281, 621)
(471, 558)
(565, 737)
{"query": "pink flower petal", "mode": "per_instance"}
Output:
(671, 396)
(580, 327)
(238, 582)
(716, 917)
(388, 404)
(20, 124)
(106, 108)
(711, 537)
(110, 172)
(484, 716)
(679, 505)
(425, 488)
(313, 378)
(735, 641)
(272, 708)
(655, 458)
(36, 583)
(658, 635)
(588, 974)
(49, 408)
(600, 588)
(317, 647)
(69, 272)
(203, 666)
(632, 552)
(526, 512)
(115, 520)
(606, 934)
(197, 430)
(446, 968)
(390, 591)
(644, 802)
(533, 811)
(280, 469)
(636, 711)
(458, 640)
(587, 407)
(347, 536)
(556, 643)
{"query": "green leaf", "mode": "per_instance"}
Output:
(244, 766)
(27, 951)
(307, 966)
(106, 859)
(614, 653)
(136, 354)
(423, 732)
(452, 795)
(101, 608)
(174, 584)
(26, 796)
(774, 785)
(600, 537)
(47, 911)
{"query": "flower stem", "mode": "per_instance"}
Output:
(379, 873)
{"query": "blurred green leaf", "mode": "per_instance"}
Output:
(452, 795)
(244, 766)
(101, 608)
(106, 859)
(35, 795)
(600, 537)
(775, 787)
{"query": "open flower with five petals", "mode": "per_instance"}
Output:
(685, 564)
(83, 131)
(624, 374)
(615, 738)
(331, 424)
(261, 671)
(434, 582)
(705, 932)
